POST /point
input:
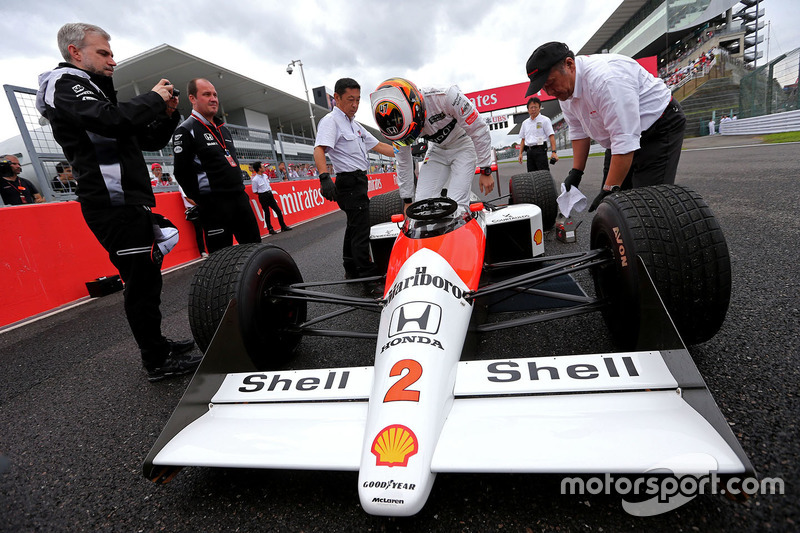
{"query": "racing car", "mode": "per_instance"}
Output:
(661, 275)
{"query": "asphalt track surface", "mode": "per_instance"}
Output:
(77, 415)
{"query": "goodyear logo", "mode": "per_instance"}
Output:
(394, 445)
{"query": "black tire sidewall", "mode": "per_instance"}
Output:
(618, 281)
(262, 321)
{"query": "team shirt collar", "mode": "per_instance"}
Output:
(578, 90)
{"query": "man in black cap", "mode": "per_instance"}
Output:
(612, 99)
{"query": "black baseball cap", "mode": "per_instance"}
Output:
(541, 61)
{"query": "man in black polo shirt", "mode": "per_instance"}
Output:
(207, 169)
(16, 190)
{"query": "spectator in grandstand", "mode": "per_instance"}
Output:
(263, 189)
(63, 181)
(612, 99)
(159, 177)
(16, 190)
(207, 169)
(281, 174)
(346, 142)
(103, 140)
(534, 134)
(155, 174)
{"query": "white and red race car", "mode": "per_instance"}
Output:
(422, 410)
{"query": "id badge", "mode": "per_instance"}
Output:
(230, 158)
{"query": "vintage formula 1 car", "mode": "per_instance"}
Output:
(661, 272)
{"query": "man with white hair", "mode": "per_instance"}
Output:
(103, 141)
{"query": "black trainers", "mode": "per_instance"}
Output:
(174, 365)
(179, 347)
(272, 231)
(286, 228)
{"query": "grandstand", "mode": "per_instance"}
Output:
(703, 48)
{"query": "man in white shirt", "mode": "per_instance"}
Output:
(263, 189)
(612, 99)
(346, 142)
(534, 134)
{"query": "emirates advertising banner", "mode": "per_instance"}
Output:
(514, 95)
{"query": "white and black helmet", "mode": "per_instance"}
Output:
(399, 110)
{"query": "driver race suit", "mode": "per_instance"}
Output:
(459, 141)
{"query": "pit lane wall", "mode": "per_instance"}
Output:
(48, 252)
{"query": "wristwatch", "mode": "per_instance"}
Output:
(486, 171)
(611, 188)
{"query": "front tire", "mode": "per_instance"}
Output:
(675, 234)
(248, 272)
(536, 188)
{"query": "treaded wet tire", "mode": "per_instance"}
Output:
(536, 188)
(680, 242)
(247, 272)
(383, 206)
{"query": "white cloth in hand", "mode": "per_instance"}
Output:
(569, 200)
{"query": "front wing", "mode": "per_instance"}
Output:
(629, 413)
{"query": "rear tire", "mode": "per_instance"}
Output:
(675, 234)
(247, 272)
(383, 206)
(536, 188)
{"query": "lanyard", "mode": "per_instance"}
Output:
(20, 188)
(220, 140)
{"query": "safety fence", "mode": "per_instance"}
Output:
(765, 124)
(49, 253)
(771, 88)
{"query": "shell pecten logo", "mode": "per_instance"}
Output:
(394, 445)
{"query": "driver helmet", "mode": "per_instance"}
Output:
(399, 110)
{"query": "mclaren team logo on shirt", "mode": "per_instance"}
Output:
(468, 112)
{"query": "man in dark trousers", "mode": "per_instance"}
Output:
(263, 189)
(346, 142)
(534, 135)
(103, 141)
(207, 169)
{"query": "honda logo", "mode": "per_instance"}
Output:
(416, 317)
